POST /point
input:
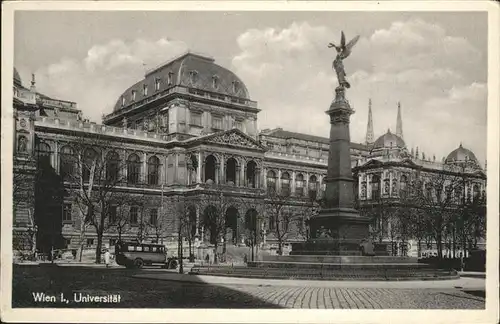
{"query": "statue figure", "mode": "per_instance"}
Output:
(21, 146)
(343, 51)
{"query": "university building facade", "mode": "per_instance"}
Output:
(188, 131)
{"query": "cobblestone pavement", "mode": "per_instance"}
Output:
(144, 292)
(364, 298)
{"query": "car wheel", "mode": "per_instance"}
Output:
(173, 264)
(138, 263)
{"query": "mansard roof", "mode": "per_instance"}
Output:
(189, 70)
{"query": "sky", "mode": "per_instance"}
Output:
(434, 63)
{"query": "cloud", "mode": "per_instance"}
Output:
(437, 77)
(96, 81)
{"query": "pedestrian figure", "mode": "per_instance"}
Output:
(207, 258)
(106, 258)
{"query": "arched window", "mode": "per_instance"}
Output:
(403, 186)
(299, 185)
(375, 184)
(313, 187)
(231, 170)
(112, 166)
(67, 162)
(428, 191)
(285, 183)
(210, 163)
(251, 174)
(476, 192)
(153, 170)
(387, 186)
(44, 154)
(271, 181)
(133, 169)
(90, 163)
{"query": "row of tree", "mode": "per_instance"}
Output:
(432, 209)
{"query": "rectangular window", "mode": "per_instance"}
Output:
(157, 84)
(145, 90)
(133, 95)
(153, 216)
(112, 242)
(112, 214)
(217, 122)
(67, 242)
(90, 242)
(272, 223)
(238, 124)
(133, 214)
(123, 101)
(67, 212)
(196, 118)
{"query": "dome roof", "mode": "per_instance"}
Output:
(17, 78)
(461, 154)
(389, 140)
(189, 70)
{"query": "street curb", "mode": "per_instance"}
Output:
(473, 275)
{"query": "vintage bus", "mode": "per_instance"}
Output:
(136, 255)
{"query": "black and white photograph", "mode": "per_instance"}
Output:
(253, 159)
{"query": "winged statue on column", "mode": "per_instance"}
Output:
(343, 51)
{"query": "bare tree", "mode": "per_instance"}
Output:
(93, 170)
(214, 220)
(280, 216)
(433, 194)
(119, 218)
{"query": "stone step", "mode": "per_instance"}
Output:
(339, 259)
(309, 265)
(358, 274)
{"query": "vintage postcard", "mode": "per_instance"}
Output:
(242, 161)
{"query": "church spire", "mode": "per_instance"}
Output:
(399, 124)
(369, 127)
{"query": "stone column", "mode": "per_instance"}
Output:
(165, 169)
(257, 177)
(217, 173)
(200, 167)
(243, 174)
(56, 158)
(339, 215)
(197, 221)
(390, 183)
(360, 187)
(368, 186)
(222, 164)
(307, 185)
(278, 184)
(144, 173)
(264, 177)
(238, 175)
(292, 185)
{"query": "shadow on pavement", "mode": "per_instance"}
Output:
(113, 283)
(477, 293)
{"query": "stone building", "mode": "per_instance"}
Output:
(187, 131)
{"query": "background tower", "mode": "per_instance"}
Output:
(399, 123)
(369, 126)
